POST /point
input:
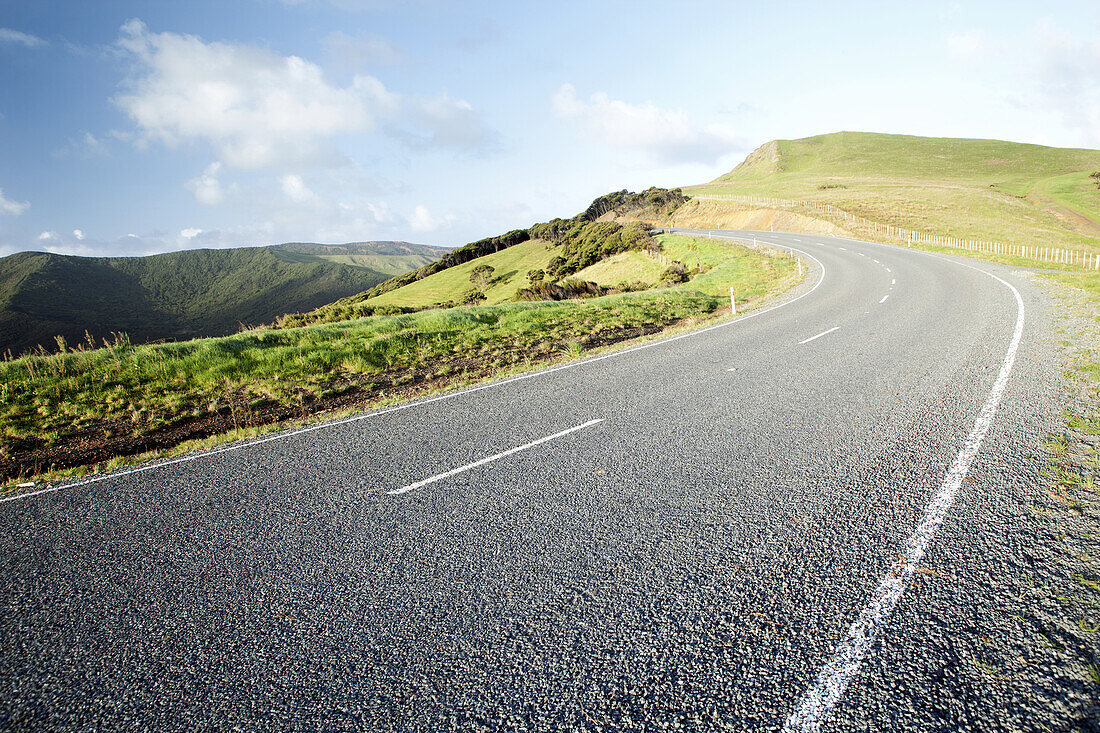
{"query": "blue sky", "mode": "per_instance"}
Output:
(132, 127)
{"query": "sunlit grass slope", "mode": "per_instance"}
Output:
(973, 189)
(510, 267)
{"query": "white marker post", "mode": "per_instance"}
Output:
(800, 267)
(733, 303)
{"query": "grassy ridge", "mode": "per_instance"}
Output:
(176, 295)
(451, 285)
(59, 400)
(975, 189)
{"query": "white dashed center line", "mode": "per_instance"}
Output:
(884, 299)
(490, 459)
(811, 338)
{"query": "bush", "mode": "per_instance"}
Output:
(674, 275)
(471, 296)
(565, 290)
(586, 243)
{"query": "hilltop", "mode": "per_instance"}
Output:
(966, 188)
(187, 294)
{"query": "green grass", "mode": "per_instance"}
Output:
(510, 274)
(623, 267)
(1087, 281)
(971, 189)
(141, 389)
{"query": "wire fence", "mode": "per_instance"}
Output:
(1053, 255)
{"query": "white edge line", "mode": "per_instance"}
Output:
(490, 459)
(819, 701)
(884, 298)
(811, 338)
(420, 403)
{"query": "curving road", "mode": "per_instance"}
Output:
(694, 534)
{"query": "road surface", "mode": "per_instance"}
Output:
(707, 532)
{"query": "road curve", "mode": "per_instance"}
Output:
(679, 536)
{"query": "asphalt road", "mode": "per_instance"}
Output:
(691, 554)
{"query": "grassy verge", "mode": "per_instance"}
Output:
(84, 407)
(1071, 511)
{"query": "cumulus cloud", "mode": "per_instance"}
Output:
(259, 109)
(665, 136)
(78, 233)
(46, 236)
(206, 187)
(424, 221)
(190, 232)
(295, 189)
(7, 35)
(14, 208)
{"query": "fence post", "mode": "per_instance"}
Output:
(733, 303)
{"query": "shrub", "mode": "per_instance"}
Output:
(675, 274)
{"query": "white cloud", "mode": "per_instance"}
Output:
(206, 187)
(424, 221)
(46, 236)
(259, 109)
(665, 136)
(7, 35)
(295, 189)
(12, 207)
(190, 232)
(78, 233)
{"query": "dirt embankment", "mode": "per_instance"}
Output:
(726, 215)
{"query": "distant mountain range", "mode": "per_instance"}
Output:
(189, 294)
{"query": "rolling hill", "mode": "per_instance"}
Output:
(556, 250)
(186, 294)
(971, 189)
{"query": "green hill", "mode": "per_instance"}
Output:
(182, 295)
(556, 250)
(973, 189)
